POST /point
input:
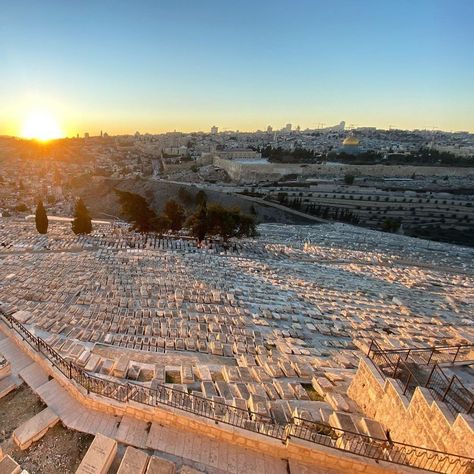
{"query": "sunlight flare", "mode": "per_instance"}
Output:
(41, 125)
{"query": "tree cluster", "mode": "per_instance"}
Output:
(279, 155)
(206, 221)
(217, 220)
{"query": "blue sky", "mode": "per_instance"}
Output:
(186, 64)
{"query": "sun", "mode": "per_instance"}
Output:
(41, 125)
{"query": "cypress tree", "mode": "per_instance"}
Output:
(41, 219)
(82, 222)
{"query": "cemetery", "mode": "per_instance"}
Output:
(269, 330)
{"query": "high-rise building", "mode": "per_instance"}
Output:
(214, 130)
(288, 127)
(269, 129)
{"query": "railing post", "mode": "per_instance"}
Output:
(70, 370)
(431, 355)
(448, 388)
(408, 353)
(457, 353)
(370, 348)
(396, 368)
(431, 373)
(408, 382)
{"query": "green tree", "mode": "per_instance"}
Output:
(161, 224)
(247, 226)
(136, 210)
(41, 219)
(229, 222)
(82, 223)
(175, 213)
(349, 179)
(201, 198)
(198, 223)
(185, 196)
(391, 224)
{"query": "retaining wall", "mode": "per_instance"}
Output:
(421, 421)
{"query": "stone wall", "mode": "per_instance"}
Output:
(252, 172)
(295, 449)
(421, 421)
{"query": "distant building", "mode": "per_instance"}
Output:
(86, 135)
(269, 129)
(214, 130)
(287, 127)
(239, 154)
(350, 145)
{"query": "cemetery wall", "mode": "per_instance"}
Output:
(296, 449)
(250, 172)
(421, 421)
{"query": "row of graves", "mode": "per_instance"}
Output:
(269, 327)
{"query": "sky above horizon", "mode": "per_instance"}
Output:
(155, 66)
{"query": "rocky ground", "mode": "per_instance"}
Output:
(59, 451)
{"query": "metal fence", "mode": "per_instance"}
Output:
(318, 433)
(379, 449)
(405, 367)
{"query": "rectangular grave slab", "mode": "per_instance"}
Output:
(35, 428)
(134, 461)
(159, 465)
(99, 456)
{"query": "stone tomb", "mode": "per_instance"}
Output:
(35, 428)
(99, 456)
(134, 461)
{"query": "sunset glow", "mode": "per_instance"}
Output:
(41, 125)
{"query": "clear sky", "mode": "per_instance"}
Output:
(153, 66)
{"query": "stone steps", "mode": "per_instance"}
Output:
(34, 376)
(35, 428)
(17, 358)
(220, 456)
(132, 432)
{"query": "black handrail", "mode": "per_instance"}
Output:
(459, 352)
(315, 432)
(397, 365)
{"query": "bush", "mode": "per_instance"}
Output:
(349, 179)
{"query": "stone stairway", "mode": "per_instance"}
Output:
(215, 456)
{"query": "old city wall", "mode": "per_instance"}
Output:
(250, 172)
(421, 421)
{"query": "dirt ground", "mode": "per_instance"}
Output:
(16, 408)
(59, 451)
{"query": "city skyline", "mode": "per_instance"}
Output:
(187, 67)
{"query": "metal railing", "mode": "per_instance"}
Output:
(410, 373)
(436, 354)
(379, 449)
(318, 433)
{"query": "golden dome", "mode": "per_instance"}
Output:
(350, 140)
